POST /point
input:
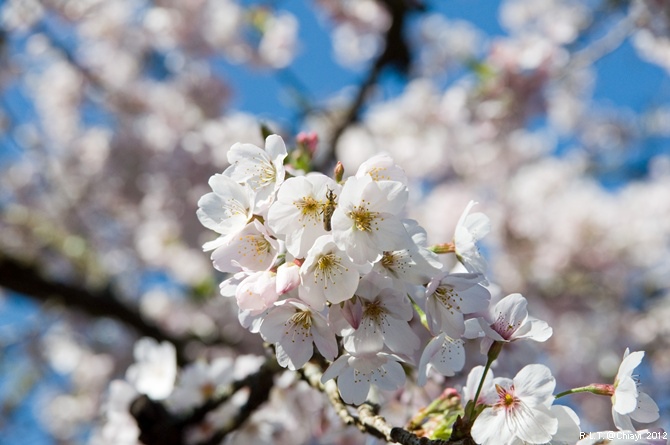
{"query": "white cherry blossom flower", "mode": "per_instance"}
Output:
(366, 221)
(381, 167)
(415, 265)
(262, 169)
(444, 354)
(627, 401)
(295, 327)
(327, 274)
(155, 368)
(509, 321)
(521, 411)
(227, 209)
(252, 249)
(449, 297)
(356, 373)
(470, 229)
(385, 317)
(297, 213)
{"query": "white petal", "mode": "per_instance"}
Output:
(625, 396)
(534, 425)
(622, 421)
(536, 382)
(353, 388)
(646, 411)
(336, 368)
(490, 429)
(568, 424)
(629, 363)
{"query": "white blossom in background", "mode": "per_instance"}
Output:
(278, 45)
(155, 369)
(199, 382)
(119, 427)
(627, 401)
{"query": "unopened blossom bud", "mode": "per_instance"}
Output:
(338, 172)
(309, 140)
(288, 277)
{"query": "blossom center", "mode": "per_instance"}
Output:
(301, 325)
(233, 207)
(267, 173)
(505, 327)
(506, 398)
(327, 266)
(448, 297)
(375, 314)
(362, 218)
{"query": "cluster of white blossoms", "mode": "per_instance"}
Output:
(328, 264)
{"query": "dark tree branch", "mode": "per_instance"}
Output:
(159, 427)
(27, 280)
(396, 54)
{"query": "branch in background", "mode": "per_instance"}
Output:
(28, 280)
(396, 54)
(159, 427)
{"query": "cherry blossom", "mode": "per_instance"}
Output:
(385, 314)
(227, 209)
(521, 411)
(356, 373)
(627, 401)
(366, 221)
(510, 322)
(298, 211)
(327, 274)
(263, 170)
(294, 327)
(471, 227)
(253, 248)
(450, 297)
(444, 354)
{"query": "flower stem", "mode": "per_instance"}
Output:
(595, 388)
(443, 248)
(493, 353)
